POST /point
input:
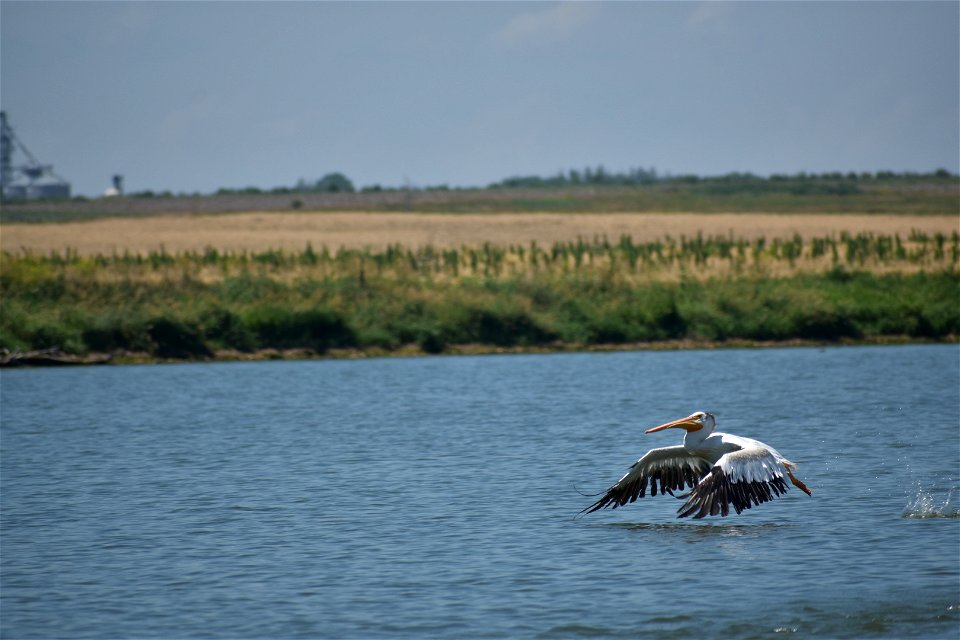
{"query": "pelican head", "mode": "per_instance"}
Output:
(701, 420)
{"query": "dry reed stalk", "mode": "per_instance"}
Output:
(259, 231)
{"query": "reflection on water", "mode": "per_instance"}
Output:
(718, 528)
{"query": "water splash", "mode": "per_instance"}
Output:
(926, 505)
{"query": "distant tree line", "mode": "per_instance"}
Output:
(837, 183)
(800, 183)
(334, 182)
(588, 175)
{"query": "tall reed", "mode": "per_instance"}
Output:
(583, 292)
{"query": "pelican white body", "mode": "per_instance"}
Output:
(721, 469)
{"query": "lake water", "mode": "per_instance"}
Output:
(435, 497)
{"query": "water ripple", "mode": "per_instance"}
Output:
(432, 497)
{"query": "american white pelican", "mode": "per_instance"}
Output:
(721, 469)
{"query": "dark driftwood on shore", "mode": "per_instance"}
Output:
(53, 356)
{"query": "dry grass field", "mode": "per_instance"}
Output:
(259, 231)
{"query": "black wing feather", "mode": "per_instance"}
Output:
(664, 470)
(720, 488)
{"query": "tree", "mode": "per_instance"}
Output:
(334, 183)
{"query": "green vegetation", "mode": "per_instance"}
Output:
(587, 191)
(798, 184)
(574, 294)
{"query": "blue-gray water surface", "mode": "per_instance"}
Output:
(435, 497)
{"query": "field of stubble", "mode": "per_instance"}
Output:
(260, 231)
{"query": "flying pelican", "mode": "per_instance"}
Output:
(720, 469)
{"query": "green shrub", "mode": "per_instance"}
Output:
(225, 328)
(503, 327)
(282, 328)
(173, 338)
(111, 332)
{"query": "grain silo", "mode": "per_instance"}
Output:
(28, 181)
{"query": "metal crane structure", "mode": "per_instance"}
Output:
(28, 181)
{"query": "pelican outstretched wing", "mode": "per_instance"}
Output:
(674, 468)
(741, 479)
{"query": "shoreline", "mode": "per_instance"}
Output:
(54, 358)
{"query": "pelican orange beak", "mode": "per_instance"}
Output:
(690, 423)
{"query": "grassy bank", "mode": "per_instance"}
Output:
(580, 294)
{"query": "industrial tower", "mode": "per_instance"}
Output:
(29, 181)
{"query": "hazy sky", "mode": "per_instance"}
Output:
(193, 96)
